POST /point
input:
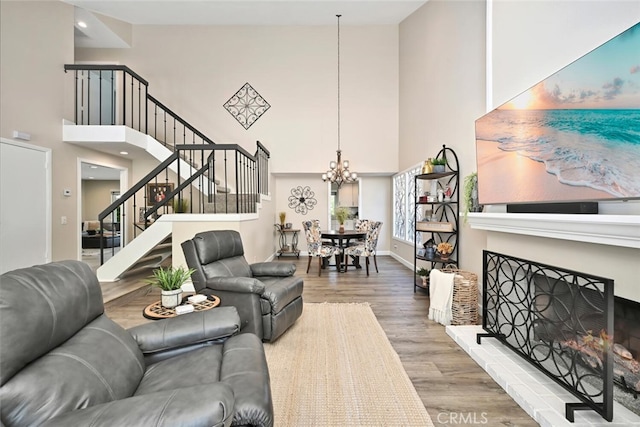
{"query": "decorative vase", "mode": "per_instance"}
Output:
(427, 167)
(341, 229)
(438, 168)
(171, 299)
(431, 252)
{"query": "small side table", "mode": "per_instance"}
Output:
(285, 248)
(156, 311)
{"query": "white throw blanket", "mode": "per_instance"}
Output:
(440, 296)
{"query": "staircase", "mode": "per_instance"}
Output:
(113, 106)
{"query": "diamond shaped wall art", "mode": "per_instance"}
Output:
(246, 105)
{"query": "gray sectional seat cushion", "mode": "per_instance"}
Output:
(64, 362)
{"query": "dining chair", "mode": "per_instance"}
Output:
(314, 244)
(368, 248)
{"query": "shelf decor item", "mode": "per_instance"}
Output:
(170, 281)
(283, 217)
(427, 167)
(424, 274)
(438, 165)
(444, 249)
(434, 226)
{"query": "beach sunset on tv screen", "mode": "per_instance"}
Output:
(575, 136)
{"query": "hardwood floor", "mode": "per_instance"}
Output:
(454, 389)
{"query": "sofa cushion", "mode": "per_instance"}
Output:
(200, 366)
(49, 294)
(101, 363)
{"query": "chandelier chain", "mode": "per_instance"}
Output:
(339, 172)
(338, 81)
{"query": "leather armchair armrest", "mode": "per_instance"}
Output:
(184, 406)
(187, 329)
(236, 284)
(274, 269)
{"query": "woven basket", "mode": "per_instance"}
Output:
(464, 306)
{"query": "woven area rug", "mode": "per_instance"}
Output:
(336, 367)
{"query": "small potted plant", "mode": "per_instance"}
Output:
(342, 214)
(424, 274)
(438, 165)
(180, 205)
(283, 217)
(470, 195)
(170, 281)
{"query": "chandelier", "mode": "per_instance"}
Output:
(338, 172)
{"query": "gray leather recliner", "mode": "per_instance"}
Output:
(63, 362)
(267, 294)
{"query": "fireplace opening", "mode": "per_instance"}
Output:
(626, 325)
(572, 315)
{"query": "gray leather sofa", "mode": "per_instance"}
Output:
(63, 362)
(267, 294)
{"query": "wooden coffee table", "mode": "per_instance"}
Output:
(156, 311)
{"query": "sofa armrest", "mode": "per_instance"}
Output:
(236, 284)
(187, 329)
(274, 269)
(184, 406)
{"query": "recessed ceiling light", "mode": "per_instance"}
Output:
(94, 167)
(82, 24)
(91, 177)
(124, 152)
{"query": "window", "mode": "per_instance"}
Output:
(404, 196)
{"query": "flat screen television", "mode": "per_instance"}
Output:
(574, 136)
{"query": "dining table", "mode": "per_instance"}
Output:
(341, 240)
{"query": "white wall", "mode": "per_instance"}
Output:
(36, 40)
(532, 40)
(282, 192)
(194, 70)
(442, 86)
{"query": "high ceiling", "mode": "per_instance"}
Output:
(256, 12)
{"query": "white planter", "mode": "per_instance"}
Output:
(171, 299)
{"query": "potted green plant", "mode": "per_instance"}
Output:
(180, 205)
(470, 195)
(424, 274)
(342, 214)
(170, 281)
(438, 165)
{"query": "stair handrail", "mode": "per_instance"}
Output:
(134, 112)
(187, 125)
(238, 152)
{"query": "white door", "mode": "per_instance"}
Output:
(25, 206)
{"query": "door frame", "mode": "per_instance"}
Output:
(124, 179)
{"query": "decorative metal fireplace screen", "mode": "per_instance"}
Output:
(558, 320)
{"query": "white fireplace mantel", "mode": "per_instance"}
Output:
(615, 230)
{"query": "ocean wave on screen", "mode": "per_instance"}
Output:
(592, 148)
